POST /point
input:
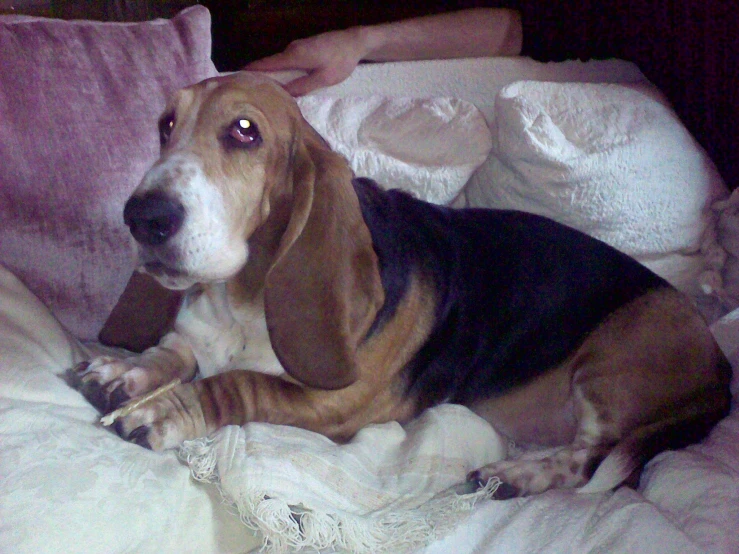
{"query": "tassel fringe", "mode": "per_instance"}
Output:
(287, 528)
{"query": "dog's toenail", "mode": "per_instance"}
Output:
(140, 436)
(118, 397)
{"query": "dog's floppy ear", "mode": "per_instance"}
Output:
(145, 312)
(323, 290)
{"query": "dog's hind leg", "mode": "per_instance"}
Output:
(567, 467)
(651, 377)
(596, 462)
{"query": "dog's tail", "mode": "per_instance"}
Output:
(687, 423)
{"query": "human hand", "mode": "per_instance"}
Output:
(328, 59)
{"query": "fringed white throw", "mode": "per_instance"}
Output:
(391, 489)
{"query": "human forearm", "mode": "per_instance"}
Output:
(468, 33)
(329, 58)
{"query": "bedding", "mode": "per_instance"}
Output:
(79, 101)
(69, 485)
(66, 484)
(429, 147)
(62, 473)
(611, 160)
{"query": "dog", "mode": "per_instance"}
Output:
(319, 300)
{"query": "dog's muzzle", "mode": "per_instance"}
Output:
(153, 218)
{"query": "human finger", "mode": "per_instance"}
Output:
(303, 85)
(278, 62)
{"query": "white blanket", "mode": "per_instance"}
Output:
(391, 489)
(68, 485)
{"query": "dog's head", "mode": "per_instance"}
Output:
(225, 143)
(242, 176)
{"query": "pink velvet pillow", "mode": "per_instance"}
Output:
(79, 103)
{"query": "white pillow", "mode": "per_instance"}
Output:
(427, 146)
(613, 161)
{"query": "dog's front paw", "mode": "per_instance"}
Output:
(163, 420)
(107, 382)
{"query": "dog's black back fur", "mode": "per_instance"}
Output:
(516, 292)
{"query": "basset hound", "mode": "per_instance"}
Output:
(319, 300)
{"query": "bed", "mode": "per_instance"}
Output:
(593, 144)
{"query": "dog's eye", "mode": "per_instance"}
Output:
(244, 133)
(166, 124)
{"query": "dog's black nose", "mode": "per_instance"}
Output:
(153, 219)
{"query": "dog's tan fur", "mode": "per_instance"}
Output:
(621, 387)
(305, 291)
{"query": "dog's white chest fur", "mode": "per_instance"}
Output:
(224, 337)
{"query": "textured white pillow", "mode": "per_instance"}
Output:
(427, 146)
(611, 160)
